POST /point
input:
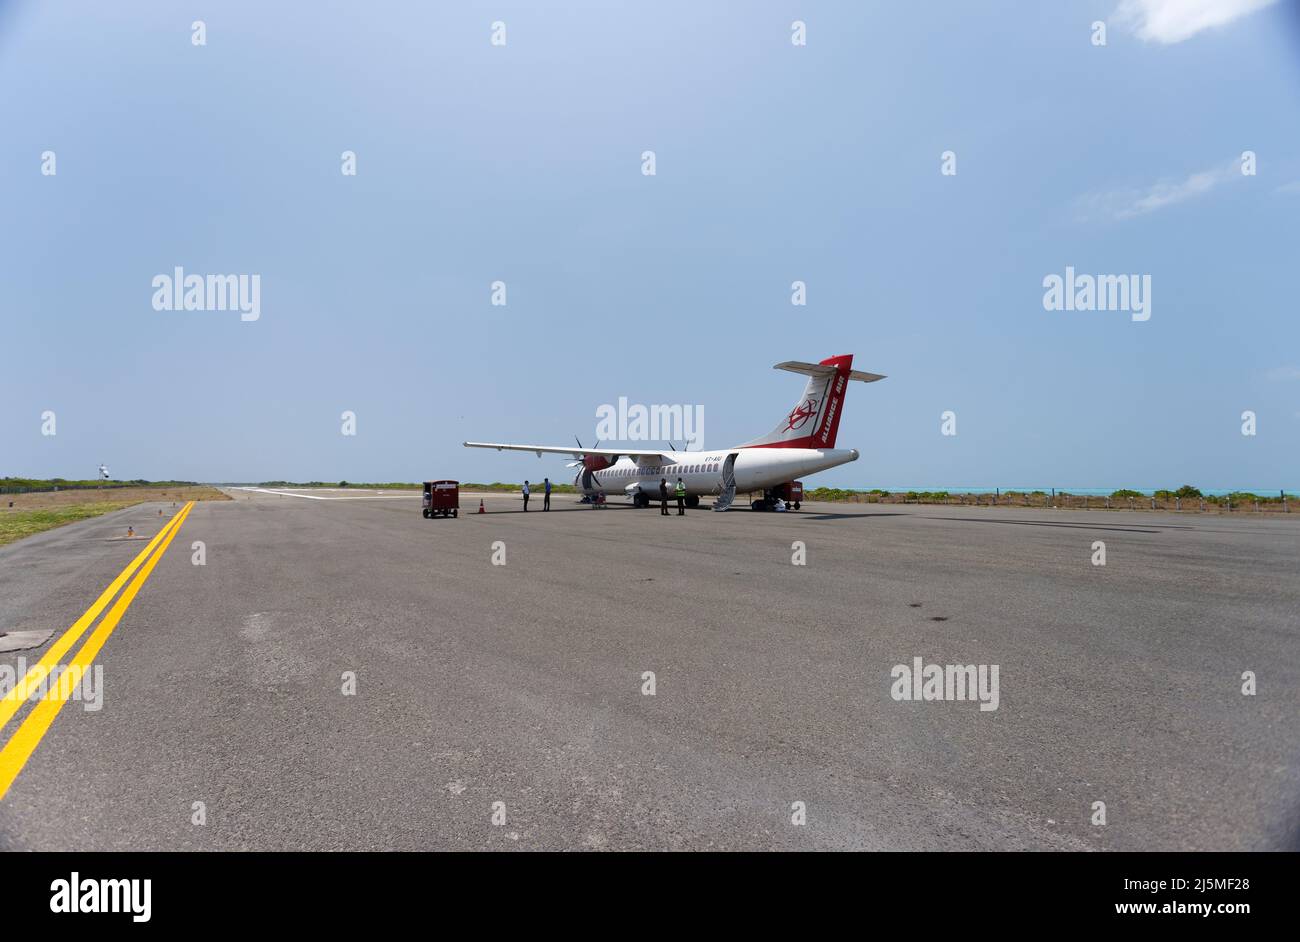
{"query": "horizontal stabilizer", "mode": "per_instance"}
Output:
(862, 377)
(821, 369)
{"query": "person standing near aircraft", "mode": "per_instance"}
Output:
(546, 498)
(681, 498)
(663, 497)
(525, 497)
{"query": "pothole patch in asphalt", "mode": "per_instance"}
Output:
(23, 640)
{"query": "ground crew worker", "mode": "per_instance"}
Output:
(663, 497)
(546, 499)
(681, 498)
(525, 497)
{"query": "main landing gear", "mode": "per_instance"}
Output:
(768, 502)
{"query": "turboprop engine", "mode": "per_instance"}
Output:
(586, 478)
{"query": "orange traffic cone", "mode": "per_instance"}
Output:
(480, 506)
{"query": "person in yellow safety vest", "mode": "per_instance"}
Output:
(681, 498)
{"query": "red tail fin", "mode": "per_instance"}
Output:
(814, 422)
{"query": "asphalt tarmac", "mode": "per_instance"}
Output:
(507, 706)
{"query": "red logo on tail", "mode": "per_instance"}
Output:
(800, 415)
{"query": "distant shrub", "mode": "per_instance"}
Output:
(831, 493)
(927, 497)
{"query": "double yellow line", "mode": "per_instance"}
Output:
(28, 736)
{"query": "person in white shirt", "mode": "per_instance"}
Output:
(525, 497)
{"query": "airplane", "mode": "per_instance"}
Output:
(802, 443)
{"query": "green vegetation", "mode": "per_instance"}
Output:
(326, 484)
(1165, 498)
(15, 525)
(534, 485)
(927, 497)
(1246, 497)
(19, 485)
(383, 486)
(836, 494)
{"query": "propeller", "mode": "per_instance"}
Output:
(581, 462)
(589, 464)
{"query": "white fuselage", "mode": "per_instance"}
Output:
(702, 471)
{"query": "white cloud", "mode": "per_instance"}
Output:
(1172, 21)
(1128, 203)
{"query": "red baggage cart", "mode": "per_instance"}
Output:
(441, 499)
(791, 492)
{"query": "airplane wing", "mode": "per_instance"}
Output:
(568, 450)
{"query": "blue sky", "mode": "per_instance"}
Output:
(775, 163)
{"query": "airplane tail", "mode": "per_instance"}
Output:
(814, 421)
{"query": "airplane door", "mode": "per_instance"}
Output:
(729, 472)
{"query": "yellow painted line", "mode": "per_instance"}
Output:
(28, 736)
(37, 673)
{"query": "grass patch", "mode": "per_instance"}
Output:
(40, 511)
(14, 525)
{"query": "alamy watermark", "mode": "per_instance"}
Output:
(181, 292)
(61, 682)
(1098, 293)
(79, 894)
(923, 681)
(657, 422)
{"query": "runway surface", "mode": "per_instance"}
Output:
(515, 691)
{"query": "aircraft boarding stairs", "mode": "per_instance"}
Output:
(728, 493)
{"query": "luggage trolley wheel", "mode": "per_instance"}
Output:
(426, 514)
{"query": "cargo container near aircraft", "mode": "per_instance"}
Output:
(802, 443)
